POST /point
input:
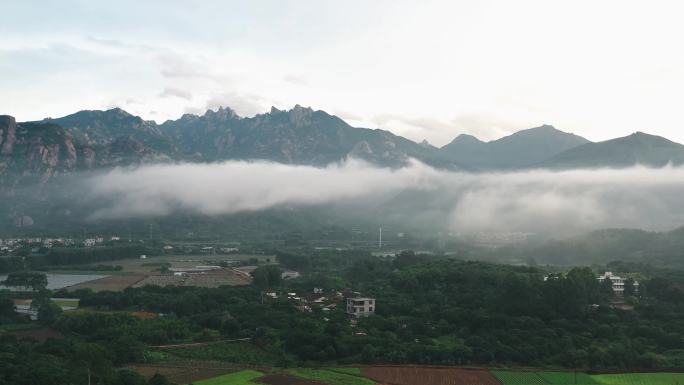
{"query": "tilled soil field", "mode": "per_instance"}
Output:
(111, 283)
(216, 278)
(409, 375)
(282, 379)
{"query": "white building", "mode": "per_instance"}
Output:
(360, 306)
(618, 283)
(90, 242)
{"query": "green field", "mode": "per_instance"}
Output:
(342, 376)
(244, 377)
(518, 378)
(350, 371)
(640, 379)
(508, 377)
(567, 378)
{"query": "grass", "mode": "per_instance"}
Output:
(349, 371)
(244, 377)
(332, 377)
(518, 378)
(153, 356)
(640, 379)
(64, 302)
(567, 378)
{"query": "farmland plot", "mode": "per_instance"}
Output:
(408, 375)
(245, 377)
(110, 283)
(213, 279)
(519, 378)
(331, 377)
(185, 372)
(640, 379)
(567, 378)
(283, 379)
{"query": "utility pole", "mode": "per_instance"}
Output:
(380, 239)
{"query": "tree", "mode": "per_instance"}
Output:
(129, 377)
(27, 279)
(629, 287)
(48, 311)
(267, 276)
(94, 359)
(158, 379)
(7, 308)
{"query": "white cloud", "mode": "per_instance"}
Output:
(534, 201)
(175, 92)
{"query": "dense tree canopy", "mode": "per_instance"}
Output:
(430, 310)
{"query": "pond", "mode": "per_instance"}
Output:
(58, 281)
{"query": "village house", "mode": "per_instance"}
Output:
(618, 283)
(358, 306)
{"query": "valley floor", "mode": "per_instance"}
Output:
(206, 373)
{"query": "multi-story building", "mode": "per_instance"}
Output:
(618, 283)
(360, 306)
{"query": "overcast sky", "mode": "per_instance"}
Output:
(422, 69)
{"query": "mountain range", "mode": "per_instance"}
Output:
(88, 140)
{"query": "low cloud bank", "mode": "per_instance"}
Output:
(534, 201)
(230, 187)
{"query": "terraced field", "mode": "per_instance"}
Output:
(640, 379)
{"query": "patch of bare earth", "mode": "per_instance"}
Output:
(414, 375)
(111, 283)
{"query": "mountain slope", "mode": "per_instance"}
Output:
(636, 149)
(97, 128)
(606, 245)
(519, 150)
(35, 152)
(298, 136)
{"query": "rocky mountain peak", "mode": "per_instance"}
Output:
(118, 111)
(300, 115)
(426, 144)
(8, 134)
(223, 113)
